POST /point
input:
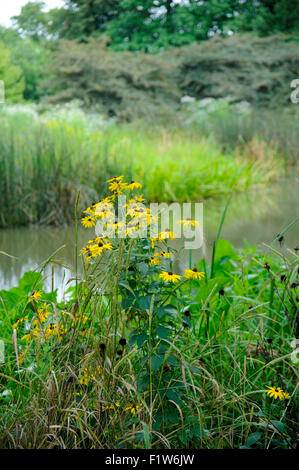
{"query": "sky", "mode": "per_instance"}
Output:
(9, 8)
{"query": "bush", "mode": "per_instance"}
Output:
(133, 85)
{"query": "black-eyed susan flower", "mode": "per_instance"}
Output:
(88, 221)
(169, 276)
(18, 322)
(154, 261)
(163, 254)
(35, 296)
(131, 229)
(189, 223)
(166, 234)
(139, 198)
(116, 185)
(193, 274)
(31, 336)
(98, 248)
(133, 408)
(51, 330)
(275, 392)
(134, 185)
(115, 178)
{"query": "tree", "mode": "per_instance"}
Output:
(12, 77)
(152, 25)
(84, 18)
(32, 21)
(125, 85)
(267, 17)
(33, 59)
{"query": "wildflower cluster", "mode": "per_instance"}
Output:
(135, 221)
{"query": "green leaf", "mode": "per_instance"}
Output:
(171, 395)
(145, 302)
(163, 332)
(141, 339)
(278, 425)
(197, 431)
(157, 362)
(146, 435)
(142, 268)
(253, 438)
(30, 280)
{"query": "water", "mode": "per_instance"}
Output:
(257, 217)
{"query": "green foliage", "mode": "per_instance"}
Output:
(12, 77)
(32, 57)
(267, 17)
(242, 67)
(32, 21)
(131, 361)
(124, 85)
(151, 25)
(130, 85)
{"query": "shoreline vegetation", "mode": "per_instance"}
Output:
(139, 356)
(211, 149)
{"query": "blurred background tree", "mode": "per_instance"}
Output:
(12, 77)
(150, 26)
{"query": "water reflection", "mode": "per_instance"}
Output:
(256, 217)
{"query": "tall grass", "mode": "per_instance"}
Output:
(45, 159)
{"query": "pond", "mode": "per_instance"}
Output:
(255, 217)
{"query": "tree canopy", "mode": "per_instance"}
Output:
(12, 77)
(151, 25)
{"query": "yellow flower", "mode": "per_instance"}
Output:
(51, 330)
(117, 186)
(135, 209)
(36, 296)
(115, 178)
(134, 185)
(139, 198)
(276, 392)
(169, 276)
(162, 236)
(154, 261)
(131, 228)
(193, 274)
(132, 408)
(18, 322)
(23, 355)
(98, 248)
(166, 234)
(163, 254)
(111, 407)
(88, 221)
(189, 223)
(33, 335)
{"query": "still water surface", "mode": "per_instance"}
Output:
(256, 217)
